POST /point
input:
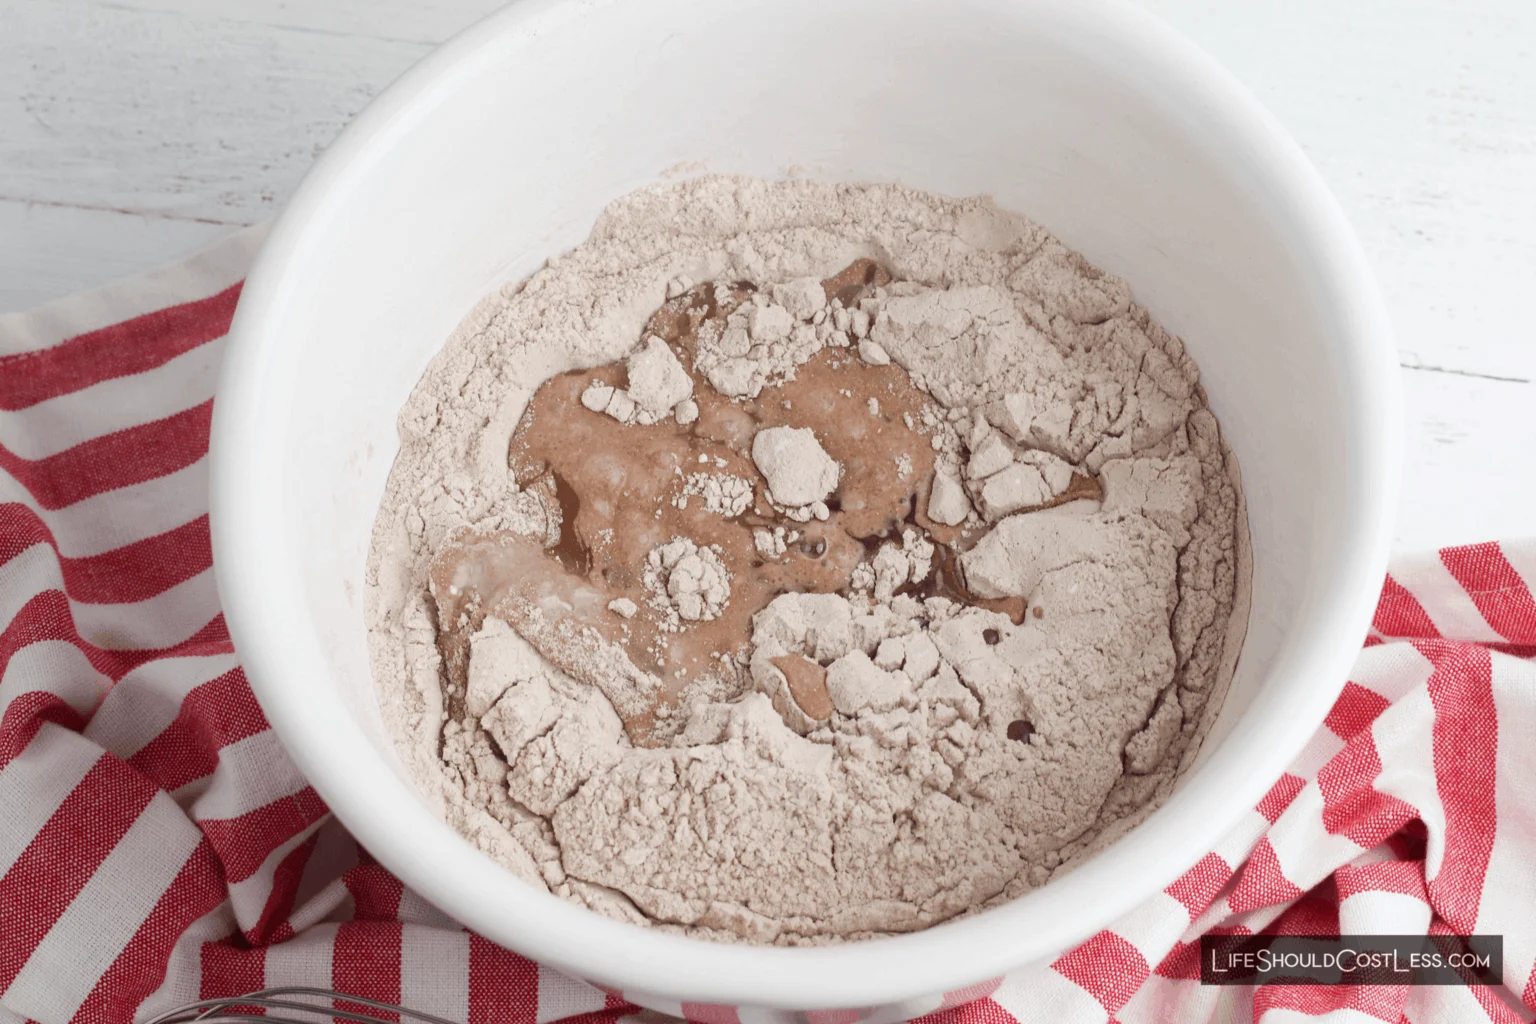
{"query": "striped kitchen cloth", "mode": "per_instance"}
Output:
(156, 846)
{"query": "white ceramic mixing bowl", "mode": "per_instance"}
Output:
(500, 149)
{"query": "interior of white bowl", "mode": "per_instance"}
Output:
(502, 148)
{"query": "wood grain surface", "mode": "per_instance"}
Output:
(134, 131)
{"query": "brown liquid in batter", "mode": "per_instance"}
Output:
(617, 485)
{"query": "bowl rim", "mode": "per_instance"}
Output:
(433, 859)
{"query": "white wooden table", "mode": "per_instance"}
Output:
(134, 131)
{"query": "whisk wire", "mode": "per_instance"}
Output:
(223, 1010)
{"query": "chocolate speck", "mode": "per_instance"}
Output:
(1020, 730)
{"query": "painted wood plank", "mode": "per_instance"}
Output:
(171, 114)
(1471, 443)
(1421, 114)
(398, 20)
(49, 251)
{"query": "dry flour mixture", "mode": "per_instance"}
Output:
(794, 562)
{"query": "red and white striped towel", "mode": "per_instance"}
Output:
(156, 846)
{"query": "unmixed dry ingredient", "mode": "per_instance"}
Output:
(794, 562)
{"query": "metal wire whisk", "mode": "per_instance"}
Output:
(291, 1005)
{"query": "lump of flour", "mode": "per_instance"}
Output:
(686, 581)
(795, 562)
(796, 469)
(657, 381)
